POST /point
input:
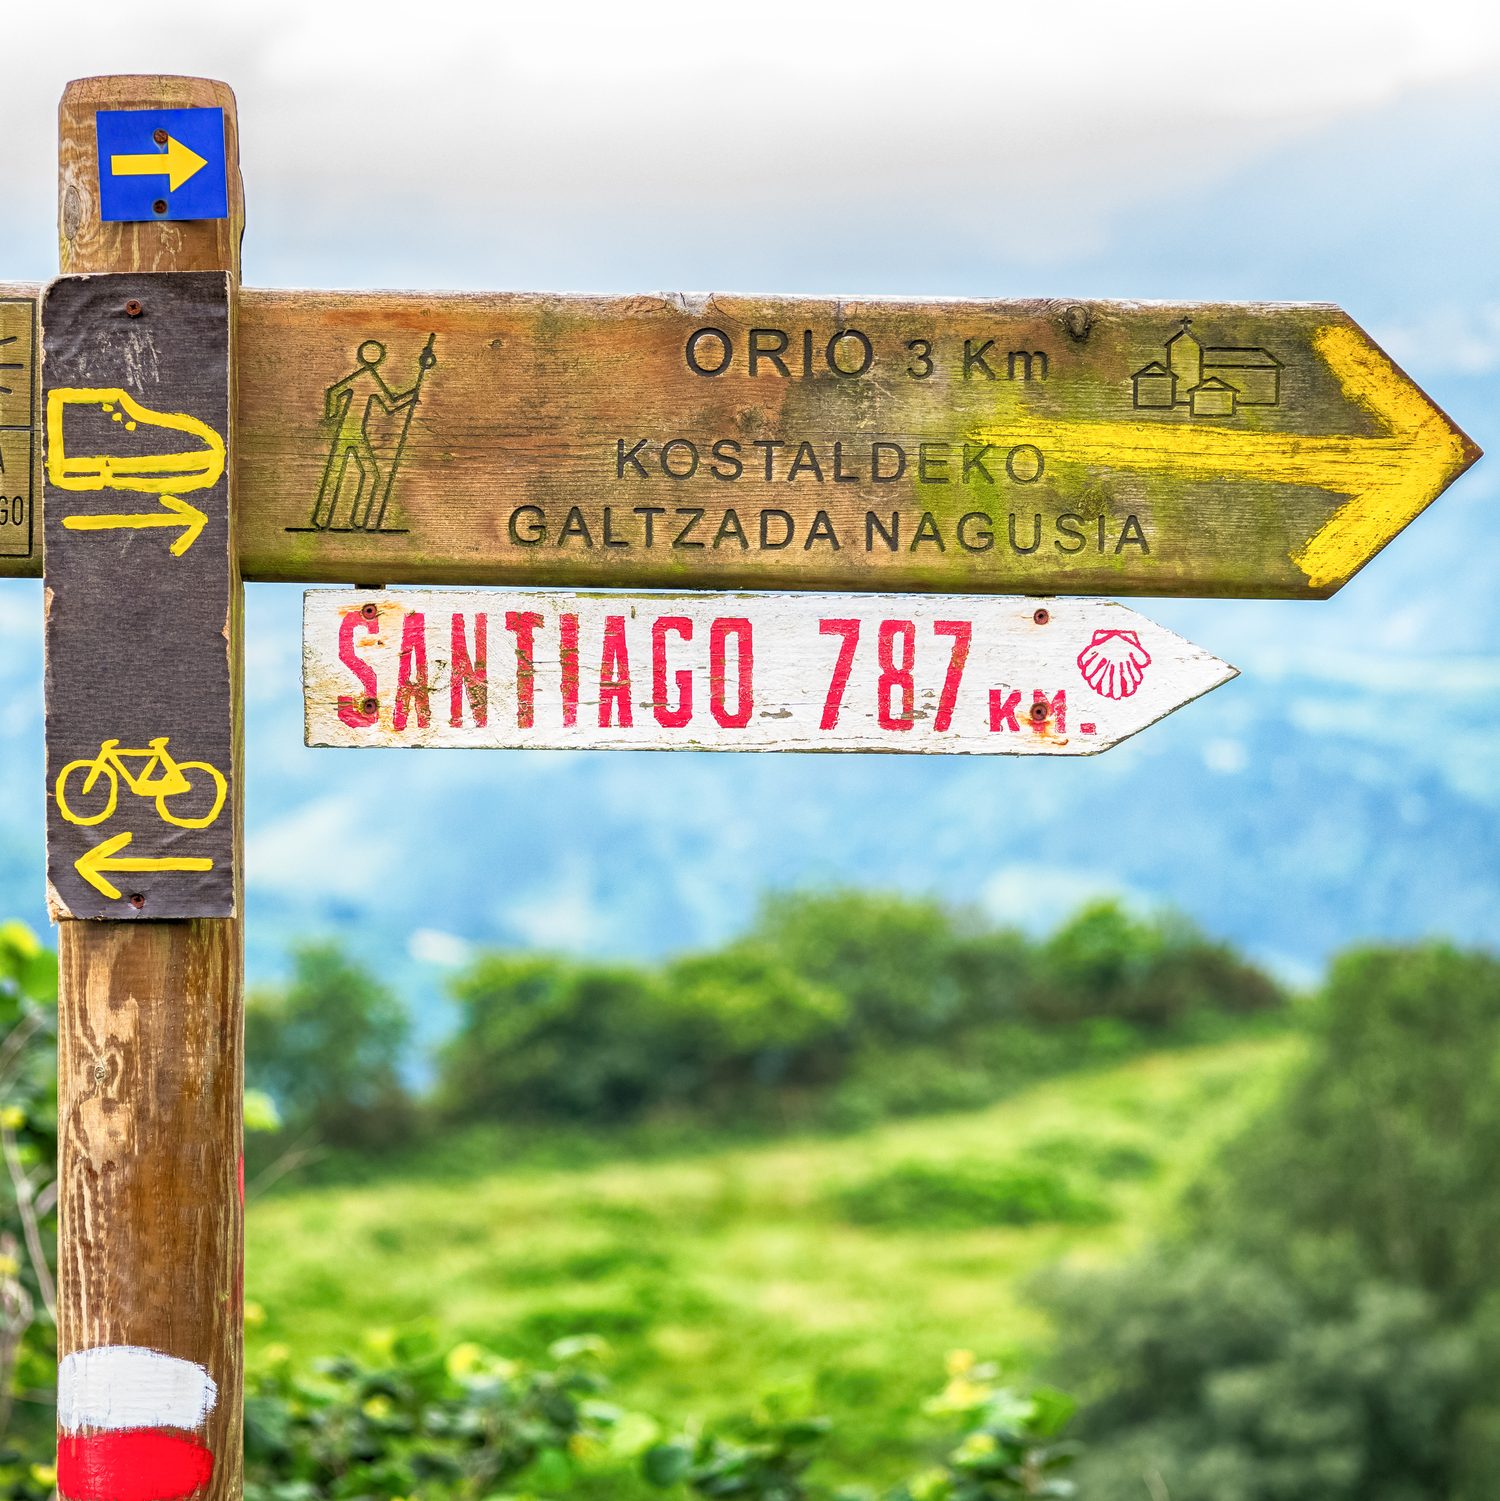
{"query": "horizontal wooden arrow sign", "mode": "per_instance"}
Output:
(705, 671)
(974, 447)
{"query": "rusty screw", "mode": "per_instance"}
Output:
(137, 901)
(1041, 617)
(160, 206)
(159, 136)
(1038, 712)
(369, 611)
(133, 308)
(369, 705)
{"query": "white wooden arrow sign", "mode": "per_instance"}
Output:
(502, 668)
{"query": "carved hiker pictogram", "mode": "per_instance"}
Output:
(365, 453)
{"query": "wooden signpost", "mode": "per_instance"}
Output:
(144, 691)
(190, 433)
(669, 442)
(749, 672)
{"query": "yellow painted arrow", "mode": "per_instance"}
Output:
(1387, 480)
(103, 856)
(174, 513)
(177, 163)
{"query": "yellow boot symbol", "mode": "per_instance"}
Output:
(116, 468)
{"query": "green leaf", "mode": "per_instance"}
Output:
(261, 1113)
(667, 1464)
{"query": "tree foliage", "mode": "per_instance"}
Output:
(1328, 1329)
(327, 1047)
(856, 1003)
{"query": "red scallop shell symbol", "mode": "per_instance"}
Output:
(1114, 663)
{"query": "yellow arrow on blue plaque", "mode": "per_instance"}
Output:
(177, 163)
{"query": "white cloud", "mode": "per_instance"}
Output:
(1448, 340)
(322, 849)
(566, 914)
(386, 137)
(433, 946)
(1038, 897)
(1225, 756)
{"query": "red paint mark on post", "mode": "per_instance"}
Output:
(135, 1464)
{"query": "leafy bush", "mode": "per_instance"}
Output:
(327, 1048)
(1008, 1445)
(416, 1420)
(837, 1008)
(1209, 1377)
(542, 1038)
(889, 957)
(1147, 971)
(1331, 1328)
(969, 1196)
(1384, 1146)
(28, 1199)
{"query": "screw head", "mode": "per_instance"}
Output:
(1041, 616)
(160, 206)
(133, 308)
(159, 136)
(369, 611)
(1038, 712)
(369, 705)
(137, 901)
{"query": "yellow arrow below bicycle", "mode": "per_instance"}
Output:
(104, 857)
(175, 512)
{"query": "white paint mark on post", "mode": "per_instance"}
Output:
(704, 671)
(116, 1387)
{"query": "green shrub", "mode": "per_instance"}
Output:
(837, 1009)
(1330, 1328)
(889, 957)
(969, 1196)
(1384, 1146)
(327, 1048)
(28, 1203)
(1008, 1445)
(415, 1420)
(542, 1038)
(1207, 1377)
(1148, 972)
(741, 1020)
(1107, 1161)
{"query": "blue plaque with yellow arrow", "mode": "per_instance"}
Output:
(162, 164)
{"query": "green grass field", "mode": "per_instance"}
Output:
(848, 1266)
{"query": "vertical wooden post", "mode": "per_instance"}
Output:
(150, 1054)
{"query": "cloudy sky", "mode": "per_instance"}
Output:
(1317, 149)
(859, 147)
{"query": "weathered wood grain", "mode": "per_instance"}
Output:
(150, 1057)
(20, 486)
(983, 447)
(990, 447)
(87, 243)
(550, 670)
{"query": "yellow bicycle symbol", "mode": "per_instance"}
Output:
(161, 777)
